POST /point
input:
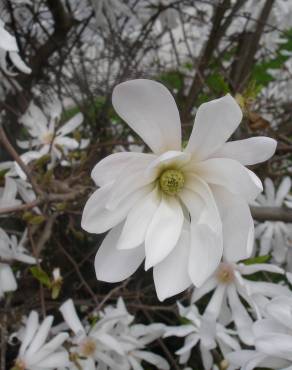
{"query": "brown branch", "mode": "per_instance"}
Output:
(272, 214)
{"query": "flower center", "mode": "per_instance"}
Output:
(225, 273)
(88, 347)
(48, 138)
(19, 365)
(171, 181)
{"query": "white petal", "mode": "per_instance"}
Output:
(245, 359)
(270, 191)
(215, 122)
(40, 336)
(164, 231)
(210, 214)
(70, 316)
(256, 267)
(153, 359)
(18, 62)
(282, 191)
(238, 225)
(171, 275)
(113, 265)
(97, 219)
(66, 142)
(150, 110)
(7, 41)
(7, 279)
(215, 303)
(240, 316)
(138, 220)
(205, 253)
(30, 330)
(209, 285)
(248, 151)
(109, 168)
(71, 125)
(59, 359)
(229, 174)
(278, 345)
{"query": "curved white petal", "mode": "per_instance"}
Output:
(66, 142)
(240, 316)
(164, 230)
(58, 359)
(229, 174)
(40, 336)
(205, 253)
(70, 316)
(270, 191)
(204, 289)
(111, 167)
(96, 218)
(215, 122)
(7, 279)
(138, 220)
(238, 225)
(171, 275)
(31, 327)
(282, 191)
(113, 265)
(71, 125)
(248, 151)
(210, 215)
(150, 110)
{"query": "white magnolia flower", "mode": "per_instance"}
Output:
(273, 340)
(35, 353)
(273, 235)
(112, 342)
(8, 194)
(145, 198)
(11, 250)
(231, 284)
(205, 331)
(9, 46)
(46, 138)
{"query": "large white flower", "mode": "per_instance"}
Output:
(273, 236)
(145, 198)
(35, 353)
(273, 340)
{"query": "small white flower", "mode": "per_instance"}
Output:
(273, 340)
(230, 283)
(46, 138)
(35, 353)
(205, 331)
(173, 206)
(273, 236)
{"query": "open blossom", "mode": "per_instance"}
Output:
(231, 284)
(9, 46)
(173, 207)
(36, 352)
(45, 136)
(272, 340)
(204, 331)
(113, 342)
(273, 235)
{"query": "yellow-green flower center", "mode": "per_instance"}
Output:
(171, 181)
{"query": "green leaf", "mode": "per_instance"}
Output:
(41, 276)
(259, 259)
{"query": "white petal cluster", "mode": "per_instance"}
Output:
(272, 339)
(11, 250)
(113, 341)
(8, 46)
(37, 351)
(274, 236)
(175, 206)
(46, 137)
